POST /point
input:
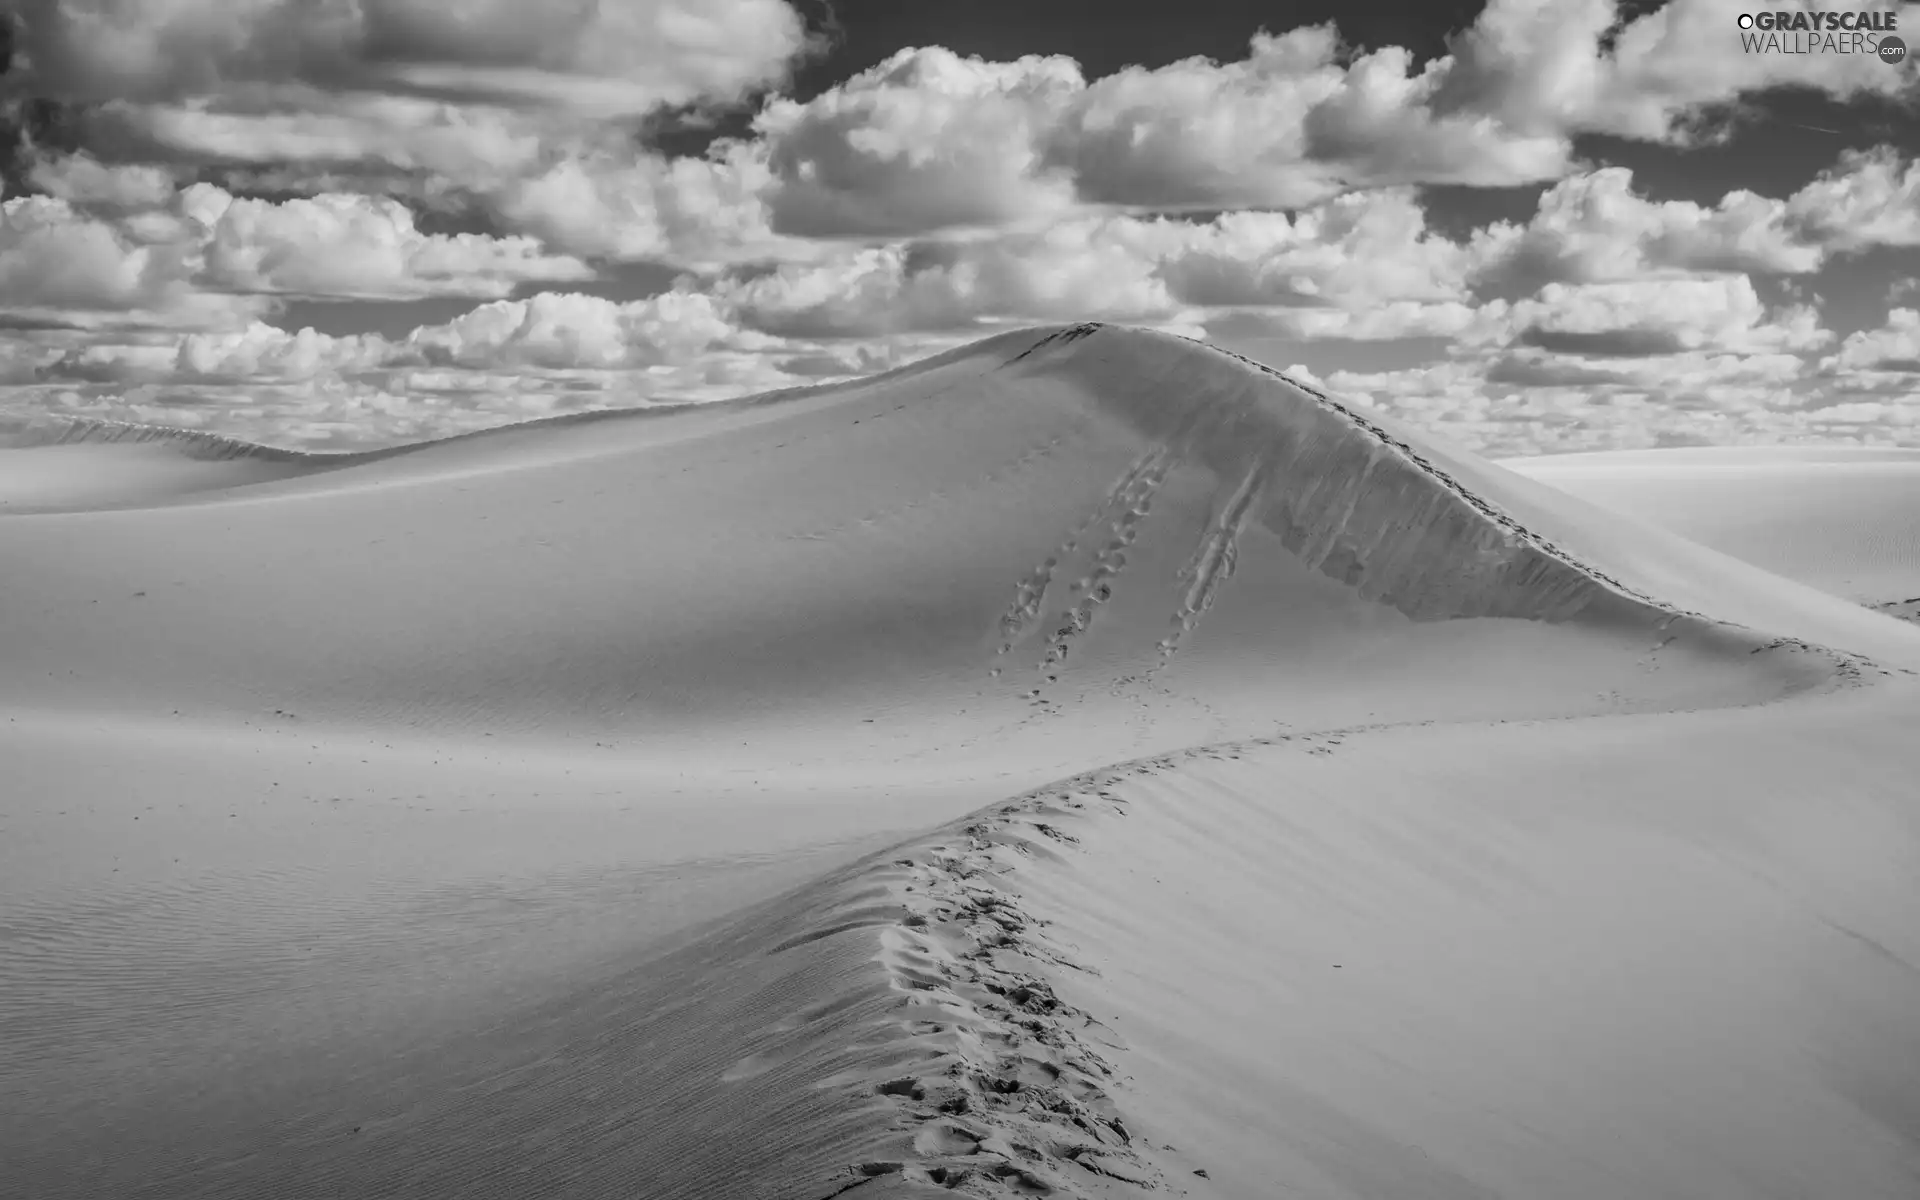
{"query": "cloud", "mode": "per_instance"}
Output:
(86, 182)
(264, 352)
(926, 140)
(258, 353)
(1872, 199)
(1362, 265)
(1357, 249)
(463, 144)
(929, 140)
(560, 331)
(335, 245)
(1656, 317)
(1551, 371)
(1389, 321)
(915, 205)
(1073, 270)
(1527, 403)
(601, 56)
(503, 361)
(1670, 63)
(1894, 347)
(699, 212)
(202, 258)
(64, 268)
(1593, 227)
(1545, 65)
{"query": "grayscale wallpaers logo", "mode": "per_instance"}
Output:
(1869, 33)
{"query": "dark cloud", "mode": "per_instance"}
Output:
(1610, 343)
(1519, 371)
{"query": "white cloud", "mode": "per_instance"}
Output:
(358, 246)
(86, 182)
(1646, 318)
(1593, 227)
(264, 352)
(1363, 265)
(700, 212)
(1068, 271)
(602, 56)
(1686, 399)
(559, 331)
(1895, 346)
(208, 260)
(1540, 65)
(915, 205)
(1871, 199)
(1387, 321)
(928, 140)
(1688, 54)
(1356, 250)
(258, 353)
(63, 267)
(925, 140)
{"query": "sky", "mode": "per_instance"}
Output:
(1533, 225)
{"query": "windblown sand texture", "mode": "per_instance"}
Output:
(1085, 764)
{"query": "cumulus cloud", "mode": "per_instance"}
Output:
(1363, 265)
(916, 205)
(1389, 321)
(1655, 317)
(929, 140)
(358, 246)
(86, 182)
(1066, 271)
(1672, 62)
(1288, 126)
(1894, 346)
(1871, 199)
(1575, 66)
(925, 140)
(62, 267)
(204, 258)
(700, 212)
(504, 361)
(1356, 250)
(1593, 227)
(265, 352)
(560, 331)
(258, 352)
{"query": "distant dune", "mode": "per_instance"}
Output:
(1087, 763)
(1844, 519)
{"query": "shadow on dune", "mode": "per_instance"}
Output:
(1021, 562)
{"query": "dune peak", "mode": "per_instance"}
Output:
(1349, 496)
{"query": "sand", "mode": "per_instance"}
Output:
(1840, 518)
(1086, 763)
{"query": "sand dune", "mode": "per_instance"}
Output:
(1840, 518)
(543, 812)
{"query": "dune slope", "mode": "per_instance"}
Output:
(618, 731)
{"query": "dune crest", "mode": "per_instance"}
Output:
(574, 682)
